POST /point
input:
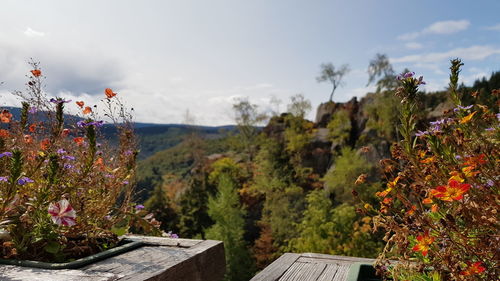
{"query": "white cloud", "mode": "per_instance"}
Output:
(413, 45)
(495, 27)
(472, 53)
(33, 33)
(440, 27)
(447, 27)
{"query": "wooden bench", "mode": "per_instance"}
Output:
(161, 259)
(308, 267)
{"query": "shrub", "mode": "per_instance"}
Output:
(63, 193)
(440, 207)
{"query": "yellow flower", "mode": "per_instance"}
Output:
(467, 118)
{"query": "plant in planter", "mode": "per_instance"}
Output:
(63, 193)
(440, 207)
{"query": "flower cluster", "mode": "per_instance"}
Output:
(440, 208)
(57, 198)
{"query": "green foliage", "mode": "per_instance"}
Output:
(159, 205)
(299, 106)
(336, 231)
(340, 127)
(227, 213)
(384, 114)
(333, 75)
(339, 180)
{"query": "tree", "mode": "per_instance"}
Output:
(299, 106)
(247, 118)
(226, 210)
(335, 76)
(380, 67)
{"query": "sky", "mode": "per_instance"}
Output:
(165, 58)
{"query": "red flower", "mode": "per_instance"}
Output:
(453, 191)
(36, 72)
(423, 244)
(474, 268)
(109, 93)
(80, 103)
(79, 140)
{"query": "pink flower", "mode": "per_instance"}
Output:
(62, 213)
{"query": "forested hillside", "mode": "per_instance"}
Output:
(293, 186)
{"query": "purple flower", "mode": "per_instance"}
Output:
(462, 107)
(172, 235)
(82, 123)
(125, 182)
(32, 110)
(6, 154)
(61, 151)
(408, 74)
(68, 166)
(458, 157)
(490, 183)
(498, 116)
(128, 152)
(399, 77)
(59, 100)
(24, 180)
(139, 207)
(420, 133)
(109, 176)
(68, 157)
(421, 81)
(489, 129)
(108, 217)
(5, 179)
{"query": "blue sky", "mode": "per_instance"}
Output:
(166, 57)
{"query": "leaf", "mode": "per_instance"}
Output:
(119, 230)
(52, 247)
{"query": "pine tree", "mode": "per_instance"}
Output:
(225, 209)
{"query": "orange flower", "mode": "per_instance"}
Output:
(434, 208)
(423, 244)
(44, 144)
(428, 160)
(79, 140)
(475, 161)
(80, 103)
(412, 210)
(87, 110)
(453, 191)
(109, 93)
(4, 133)
(467, 118)
(427, 201)
(361, 179)
(474, 268)
(469, 171)
(28, 139)
(456, 176)
(32, 128)
(390, 187)
(36, 72)
(5, 116)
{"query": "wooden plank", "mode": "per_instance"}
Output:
(329, 273)
(163, 241)
(18, 273)
(336, 258)
(300, 271)
(276, 269)
(195, 260)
